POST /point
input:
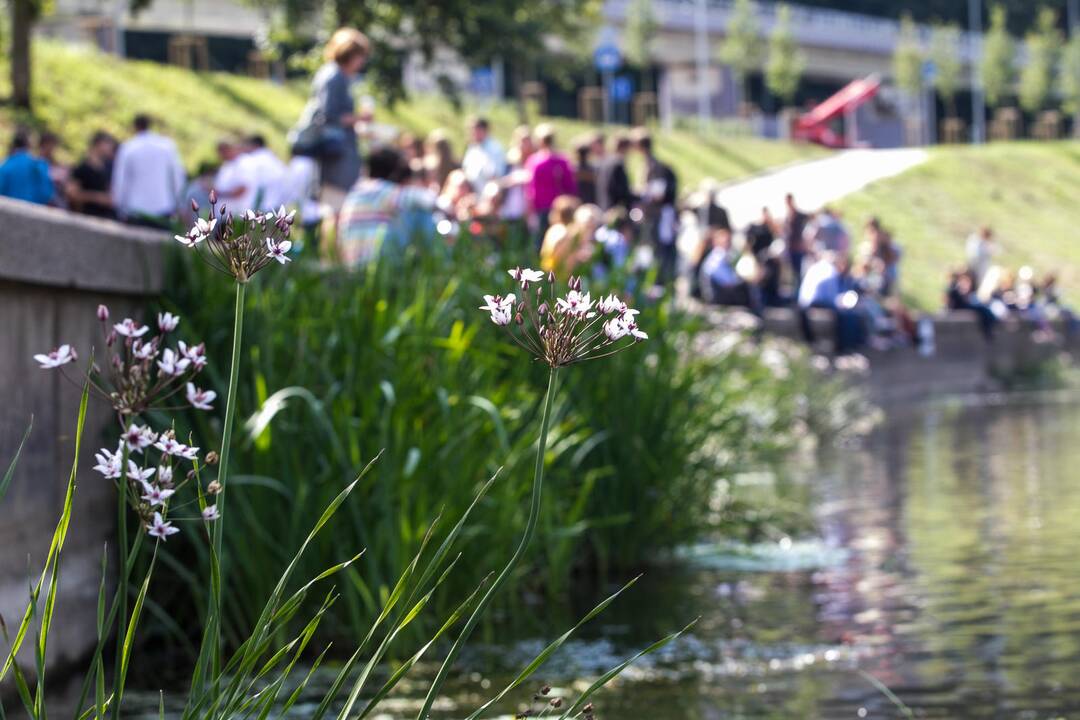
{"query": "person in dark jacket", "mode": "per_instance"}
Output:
(661, 193)
(585, 171)
(612, 182)
(331, 108)
(88, 186)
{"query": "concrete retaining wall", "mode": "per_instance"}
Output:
(55, 268)
(963, 360)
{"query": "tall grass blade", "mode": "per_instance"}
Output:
(406, 666)
(395, 629)
(249, 654)
(889, 694)
(21, 686)
(10, 473)
(129, 636)
(547, 652)
(110, 620)
(617, 670)
(526, 538)
(52, 558)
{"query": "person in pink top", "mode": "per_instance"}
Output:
(550, 175)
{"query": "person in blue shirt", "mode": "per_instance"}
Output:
(828, 284)
(23, 176)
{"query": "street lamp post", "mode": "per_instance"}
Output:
(701, 53)
(978, 102)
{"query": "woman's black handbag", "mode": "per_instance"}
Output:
(319, 141)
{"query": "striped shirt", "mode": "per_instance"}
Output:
(377, 212)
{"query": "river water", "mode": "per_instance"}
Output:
(943, 581)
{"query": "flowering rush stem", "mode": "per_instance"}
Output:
(122, 594)
(217, 531)
(557, 331)
(526, 539)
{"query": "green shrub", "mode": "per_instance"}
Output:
(393, 358)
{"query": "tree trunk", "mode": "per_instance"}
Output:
(21, 25)
(519, 98)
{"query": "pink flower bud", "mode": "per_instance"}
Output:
(194, 206)
(102, 313)
(213, 197)
(110, 338)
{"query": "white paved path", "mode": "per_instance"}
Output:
(815, 182)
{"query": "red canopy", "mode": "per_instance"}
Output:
(814, 125)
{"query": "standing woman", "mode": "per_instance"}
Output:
(330, 115)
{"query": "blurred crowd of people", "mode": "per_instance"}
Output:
(997, 294)
(142, 180)
(579, 212)
(609, 205)
(807, 261)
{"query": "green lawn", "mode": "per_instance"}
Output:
(78, 91)
(1027, 191)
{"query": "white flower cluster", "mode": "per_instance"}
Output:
(151, 484)
(141, 372)
(562, 330)
(240, 246)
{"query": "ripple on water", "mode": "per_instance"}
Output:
(784, 556)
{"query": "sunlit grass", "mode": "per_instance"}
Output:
(1024, 190)
(78, 90)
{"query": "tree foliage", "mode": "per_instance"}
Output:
(741, 48)
(639, 36)
(1043, 47)
(521, 33)
(1069, 77)
(786, 63)
(1021, 14)
(998, 59)
(944, 53)
(908, 58)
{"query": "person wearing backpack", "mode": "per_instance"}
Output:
(326, 129)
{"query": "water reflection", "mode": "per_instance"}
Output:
(947, 567)
(960, 588)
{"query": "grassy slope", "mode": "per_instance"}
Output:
(78, 91)
(1025, 190)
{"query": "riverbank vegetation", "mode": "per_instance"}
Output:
(395, 359)
(164, 485)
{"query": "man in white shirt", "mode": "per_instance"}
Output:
(484, 159)
(821, 285)
(980, 252)
(236, 183)
(148, 177)
(269, 173)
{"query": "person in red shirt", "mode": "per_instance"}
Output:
(550, 175)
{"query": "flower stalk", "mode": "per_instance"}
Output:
(217, 529)
(557, 331)
(515, 559)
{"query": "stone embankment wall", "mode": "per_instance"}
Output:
(55, 268)
(962, 362)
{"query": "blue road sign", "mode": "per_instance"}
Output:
(929, 71)
(482, 82)
(621, 89)
(607, 57)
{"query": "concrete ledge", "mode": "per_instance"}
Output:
(46, 246)
(54, 270)
(963, 361)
